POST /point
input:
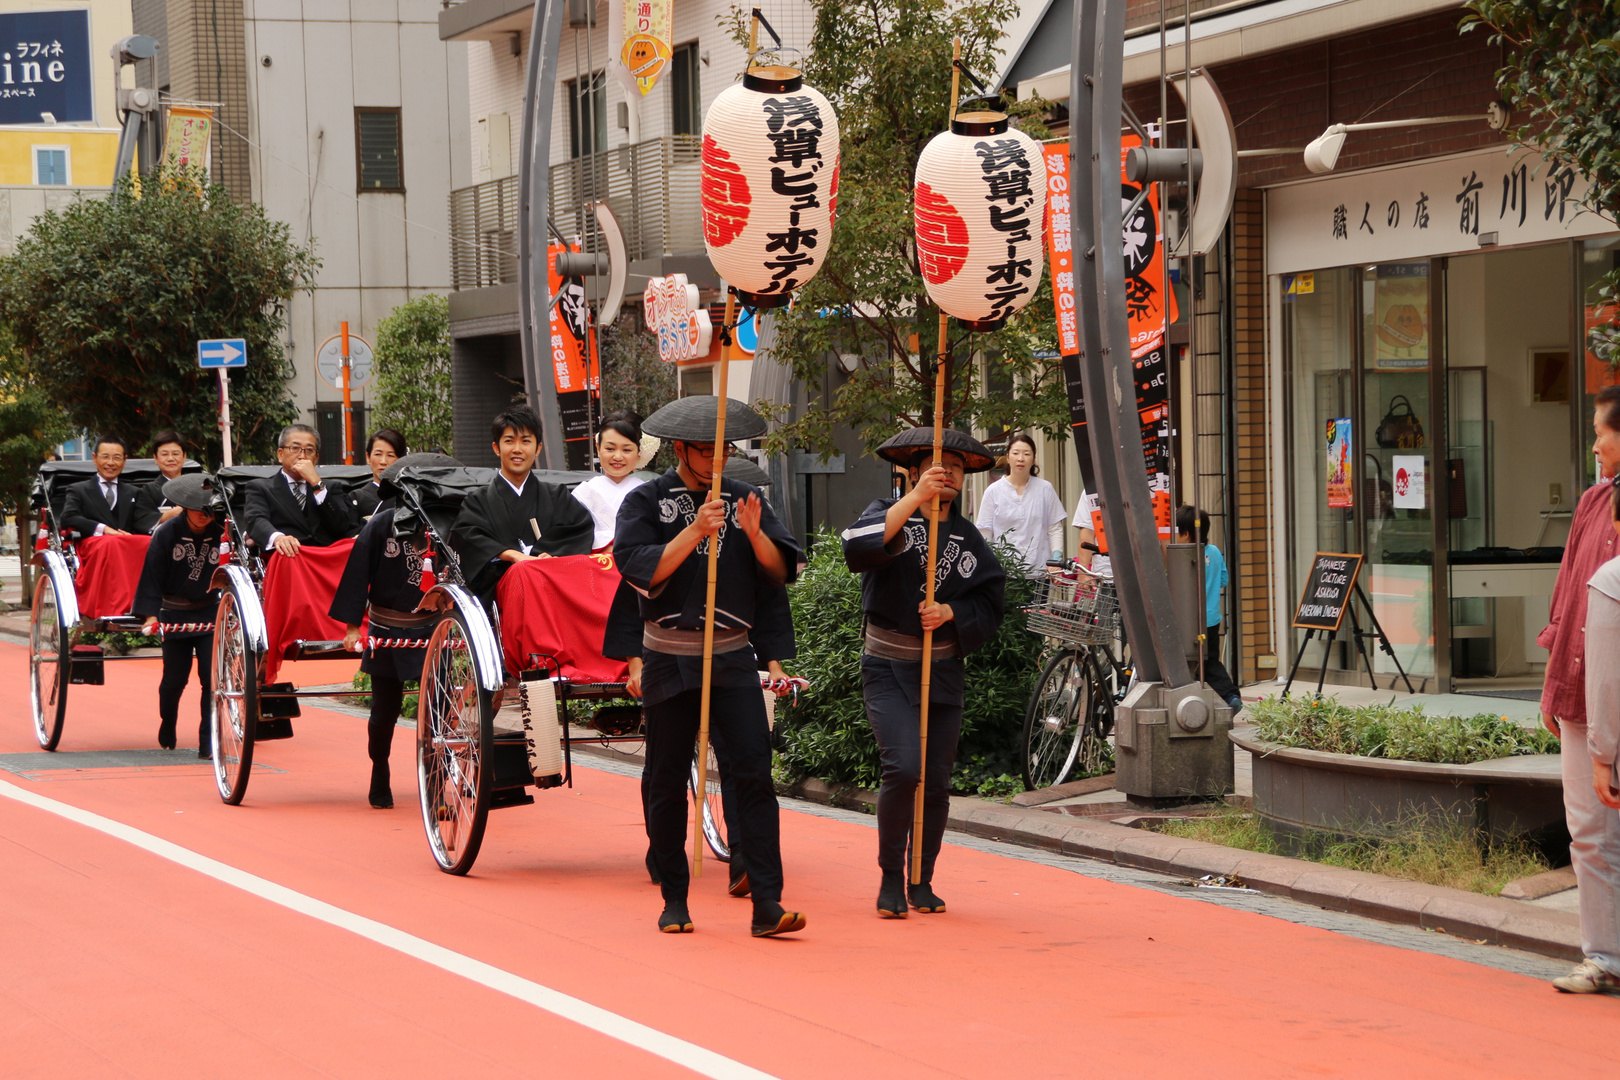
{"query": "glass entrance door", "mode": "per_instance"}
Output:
(1398, 352)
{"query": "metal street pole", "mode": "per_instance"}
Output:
(348, 405)
(225, 414)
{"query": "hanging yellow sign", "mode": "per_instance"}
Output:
(647, 33)
(186, 146)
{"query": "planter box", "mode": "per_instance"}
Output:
(1299, 793)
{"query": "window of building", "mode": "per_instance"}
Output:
(51, 165)
(685, 91)
(378, 165)
(587, 114)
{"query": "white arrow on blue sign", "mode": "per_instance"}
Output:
(222, 353)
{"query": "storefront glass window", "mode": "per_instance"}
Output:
(1598, 257)
(1398, 458)
(1319, 336)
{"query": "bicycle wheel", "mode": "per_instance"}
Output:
(1094, 754)
(49, 663)
(236, 699)
(1051, 722)
(455, 737)
(714, 814)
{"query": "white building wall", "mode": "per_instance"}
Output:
(377, 250)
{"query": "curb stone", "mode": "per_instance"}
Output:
(1491, 919)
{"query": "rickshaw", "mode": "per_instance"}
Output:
(58, 620)
(490, 725)
(248, 709)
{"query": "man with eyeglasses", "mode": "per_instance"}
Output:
(294, 507)
(661, 545)
(104, 505)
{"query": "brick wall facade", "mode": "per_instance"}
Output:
(207, 61)
(1252, 545)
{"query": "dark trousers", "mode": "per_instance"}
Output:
(177, 654)
(894, 721)
(387, 697)
(728, 807)
(742, 750)
(1215, 673)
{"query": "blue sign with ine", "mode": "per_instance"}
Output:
(45, 66)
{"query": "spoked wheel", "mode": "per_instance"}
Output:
(49, 662)
(236, 700)
(1065, 730)
(455, 734)
(714, 814)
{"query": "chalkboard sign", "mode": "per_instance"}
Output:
(1327, 591)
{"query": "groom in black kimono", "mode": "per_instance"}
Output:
(517, 517)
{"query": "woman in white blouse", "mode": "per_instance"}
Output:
(619, 448)
(1023, 509)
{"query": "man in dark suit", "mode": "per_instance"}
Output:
(104, 506)
(295, 507)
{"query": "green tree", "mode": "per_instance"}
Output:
(886, 67)
(633, 375)
(1561, 72)
(412, 362)
(31, 425)
(108, 298)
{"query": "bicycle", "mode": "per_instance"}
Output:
(1071, 712)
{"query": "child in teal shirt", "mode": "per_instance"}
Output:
(1188, 523)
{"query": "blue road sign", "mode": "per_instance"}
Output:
(222, 353)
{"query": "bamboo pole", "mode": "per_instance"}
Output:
(941, 379)
(718, 463)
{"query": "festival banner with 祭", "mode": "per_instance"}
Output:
(577, 387)
(187, 144)
(645, 39)
(1150, 308)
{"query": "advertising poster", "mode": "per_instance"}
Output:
(1410, 481)
(1150, 308)
(645, 41)
(186, 145)
(1401, 317)
(1340, 468)
(45, 67)
(576, 387)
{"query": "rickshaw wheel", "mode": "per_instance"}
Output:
(236, 700)
(455, 734)
(714, 814)
(49, 662)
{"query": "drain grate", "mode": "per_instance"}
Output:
(109, 764)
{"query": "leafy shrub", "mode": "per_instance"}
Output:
(824, 734)
(1400, 734)
(362, 700)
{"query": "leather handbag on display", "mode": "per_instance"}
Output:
(1400, 429)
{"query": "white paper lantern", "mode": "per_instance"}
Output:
(980, 208)
(770, 184)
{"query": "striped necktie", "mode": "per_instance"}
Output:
(300, 495)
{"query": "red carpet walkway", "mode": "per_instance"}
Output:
(121, 962)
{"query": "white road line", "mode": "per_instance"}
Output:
(700, 1060)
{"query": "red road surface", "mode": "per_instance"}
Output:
(119, 962)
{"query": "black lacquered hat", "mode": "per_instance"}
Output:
(691, 419)
(742, 468)
(419, 461)
(193, 491)
(906, 447)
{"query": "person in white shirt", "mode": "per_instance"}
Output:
(619, 448)
(1023, 509)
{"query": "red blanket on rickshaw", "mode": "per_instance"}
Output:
(109, 571)
(297, 593)
(558, 608)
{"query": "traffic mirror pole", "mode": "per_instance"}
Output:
(348, 427)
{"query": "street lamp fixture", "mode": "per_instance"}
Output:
(1323, 152)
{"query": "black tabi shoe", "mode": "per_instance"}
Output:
(922, 898)
(205, 752)
(675, 919)
(381, 795)
(773, 919)
(166, 739)
(739, 886)
(891, 901)
(652, 870)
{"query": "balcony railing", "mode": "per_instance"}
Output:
(651, 187)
